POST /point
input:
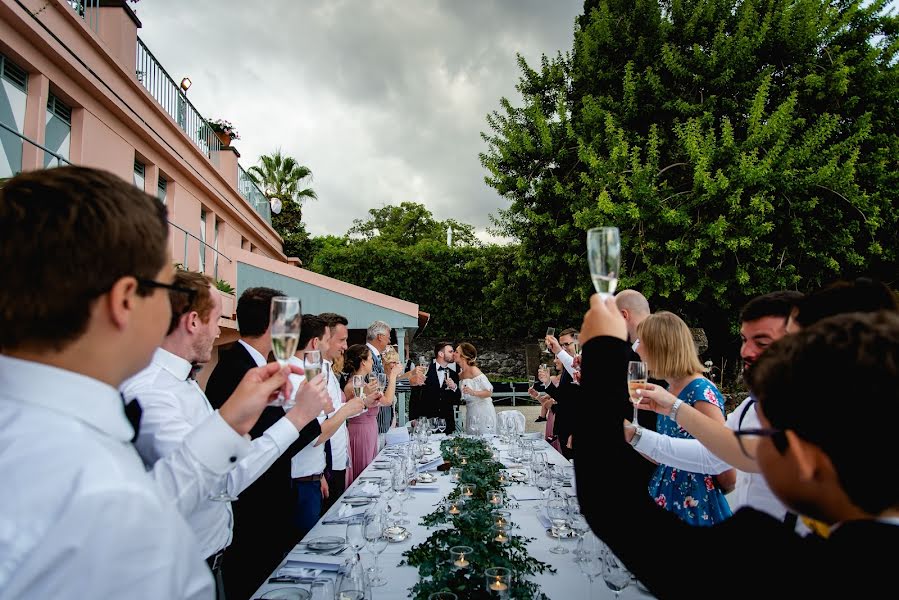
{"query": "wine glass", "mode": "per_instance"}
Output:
(400, 484)
(355, 534)
(604, 259)
(440, 424)
(557, 511)
(377, 543)
(322, 589)
(544, 481)
(590, 559)
(616, 576)
(286, 319)
(636, 380)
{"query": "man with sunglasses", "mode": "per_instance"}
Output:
(84, 305)
(173, 405)
(816, 463)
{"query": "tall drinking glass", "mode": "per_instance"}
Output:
(604, 259)
(636, 380)
(286, 318)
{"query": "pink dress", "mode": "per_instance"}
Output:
(363, 432)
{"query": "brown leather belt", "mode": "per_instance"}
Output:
(309, 478)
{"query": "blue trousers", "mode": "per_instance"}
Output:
(308, 506)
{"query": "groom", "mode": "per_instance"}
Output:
(440, 392)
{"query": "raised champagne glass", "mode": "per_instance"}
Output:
(604, 259)
(286, 318)
(636, 380)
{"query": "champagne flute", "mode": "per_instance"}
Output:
(382, 382)
(531, 382)
(359, 387)
(550, 331)
(440, 424)
(636, 380)
(286, 318)
(604, 259)
(312, 365)
(377, 543)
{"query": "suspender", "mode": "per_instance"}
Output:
(743, 414)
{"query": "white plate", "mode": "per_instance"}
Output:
(357, 501)
(326, 543)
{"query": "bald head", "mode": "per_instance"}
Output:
(634, 308)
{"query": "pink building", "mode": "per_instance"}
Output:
(78, 86)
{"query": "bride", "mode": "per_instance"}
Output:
(480, 416)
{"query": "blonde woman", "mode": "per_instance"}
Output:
(480, 416)
(667, 347)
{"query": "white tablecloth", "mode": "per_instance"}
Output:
(568, 583)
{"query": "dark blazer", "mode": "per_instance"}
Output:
(566, 395)
(765, 558)
(263, 512)
(434, 400)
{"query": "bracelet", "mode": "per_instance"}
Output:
(638, 433)
(674, 409)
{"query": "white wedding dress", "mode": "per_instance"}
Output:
(482, 408)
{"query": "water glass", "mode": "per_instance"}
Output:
(322, 589)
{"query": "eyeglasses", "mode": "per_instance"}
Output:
(777, 437)
(152, 283)
(566, 344)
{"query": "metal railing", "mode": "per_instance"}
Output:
(174, 101)
(252, 194)
(89, 10)
(187, 235)
(49, 155)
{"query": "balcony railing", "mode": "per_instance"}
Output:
(50, 157)
(89, 10)
(174, 101)
(252, 194)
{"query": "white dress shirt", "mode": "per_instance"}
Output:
(311, 459)
(567, 361)
(340, 441)
(173, 405)
(690, 455)
(254, 354)
(79, 516)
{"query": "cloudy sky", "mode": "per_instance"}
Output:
(383, 99)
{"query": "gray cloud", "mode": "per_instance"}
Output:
(383, 100)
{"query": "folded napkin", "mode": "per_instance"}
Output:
(366, 490)
(305, 565)
(543, 518)
(345, 514)
(431, 466)
(425, 487)
(397, 435)
(525, 492)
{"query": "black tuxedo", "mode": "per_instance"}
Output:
(765, 558)
(434, 400)
(263, 512)
(566, 395)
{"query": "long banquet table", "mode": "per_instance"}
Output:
(568, 582)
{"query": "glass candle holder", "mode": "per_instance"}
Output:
(468, 491)
(498, 580)
(501, 535)
(460, 557)
(502, 518)
(495, 498)
(455, 475)
(503, 478)
(463, 459)
(454, 507)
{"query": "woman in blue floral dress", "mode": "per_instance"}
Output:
(667, 346)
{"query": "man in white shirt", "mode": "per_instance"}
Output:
(307, 467)
(340, 451)
(173, 405)
(85, 254)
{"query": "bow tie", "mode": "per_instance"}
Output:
(133, 412)
(443, 368)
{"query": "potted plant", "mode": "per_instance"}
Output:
(224, 130)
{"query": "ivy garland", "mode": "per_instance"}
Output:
(474, 528)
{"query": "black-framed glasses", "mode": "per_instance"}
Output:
(566, 344)
(777, 437)
(152, 283)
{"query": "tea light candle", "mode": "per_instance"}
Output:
(499, 580)
(463, 459)
(495, 497)
(468, 491)
(500, 535)
(453, 508)
(455, 475)
(459, 556)
(502, 518)
(502, 478)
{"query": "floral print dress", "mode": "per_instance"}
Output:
(694, 497)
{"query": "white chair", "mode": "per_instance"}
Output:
(511, 420)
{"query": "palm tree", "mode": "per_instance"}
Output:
(280, 177)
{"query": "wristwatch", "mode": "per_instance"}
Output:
(638, 433)
(674, 408)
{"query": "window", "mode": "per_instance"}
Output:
(161, 189)
(215, 245)
(202, 241)
(139, 173)
(13, 98)
(58, 130)
(13, 73)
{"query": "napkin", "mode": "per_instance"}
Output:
(367, 490)
(525, 493)
(425, 487)
(431, 466)
(397, 435)
(298, 565)
(544, 519)
(345, 514)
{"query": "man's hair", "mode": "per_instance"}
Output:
(633, 301)
(375, 329)
(202, 299)
(861, 295)
(254, 310)
(568, 331)
(312, 326)
(858, 353)
(668, 346)
(66, 236)
(440, 346)
(775, 304)
(333, 320)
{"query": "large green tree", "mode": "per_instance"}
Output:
(409, 223)
(740, 146)
(283, 177)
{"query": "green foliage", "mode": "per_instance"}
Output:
(281, 177)
(471, 528)
(223, 286)
(741, 147)
(408, 224)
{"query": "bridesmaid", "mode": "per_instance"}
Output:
(363, 428)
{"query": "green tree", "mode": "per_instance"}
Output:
(282, 177)
(408, 224)
(740, 147)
